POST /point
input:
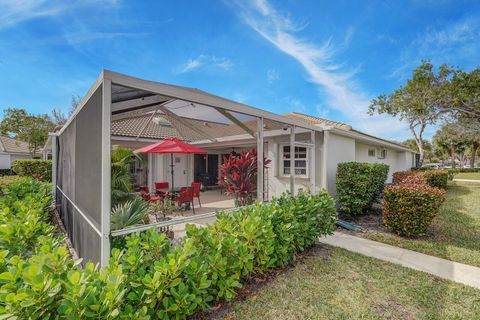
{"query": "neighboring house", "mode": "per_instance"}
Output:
(11, 150)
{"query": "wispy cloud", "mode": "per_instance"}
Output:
(445, 44)
(17, 11)
(336, 83)
(272, 75)
(205, 62)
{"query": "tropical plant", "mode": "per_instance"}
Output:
(129, 213)
(122, 186)
(238, 175)
(38, 169)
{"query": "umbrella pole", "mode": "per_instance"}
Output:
(171, 165)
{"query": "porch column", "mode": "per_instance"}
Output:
(106, 181)
(150, 172)
(292, 160)
(313, 175)
(260, 159)
(326, 135)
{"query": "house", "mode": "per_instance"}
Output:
(343, 144)
(11, 150)
(131, 112)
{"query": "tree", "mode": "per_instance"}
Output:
(21, 125)
(417, 102)
(427, 148)
(452, 141)
(59, 117)
(464, 92)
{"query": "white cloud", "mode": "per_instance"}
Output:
(205, 61)
(272, 75)
(454, 43)
(13, 12)
(318, 60)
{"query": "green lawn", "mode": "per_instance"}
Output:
(468, 175)
(455, 231)
(336, 284)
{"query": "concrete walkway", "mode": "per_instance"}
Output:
(466, 180)
(442, 268)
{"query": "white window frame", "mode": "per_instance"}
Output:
(374, 152)
(382, 153)
(281, 159)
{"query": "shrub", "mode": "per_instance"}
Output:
(6, 172)
(359, 185)
(5, 181)
(399, 176)
(436, 178)
(150, 279)
(38, 169)
(24, 216)
(409, 208)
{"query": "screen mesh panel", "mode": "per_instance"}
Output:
(79, 154)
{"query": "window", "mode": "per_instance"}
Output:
(301, 161)
(382, 153)
(371, 152)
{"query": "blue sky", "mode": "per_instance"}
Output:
(325, 58)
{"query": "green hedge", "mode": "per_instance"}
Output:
(38, 169)
(149, 279)
(434, 178)
(410, 207)
(24, 219)
(359, 185)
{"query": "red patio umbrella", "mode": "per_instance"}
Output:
(171, 146)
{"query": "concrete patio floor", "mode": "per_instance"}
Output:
(212, 201)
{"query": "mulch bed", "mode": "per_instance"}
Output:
(224, 309)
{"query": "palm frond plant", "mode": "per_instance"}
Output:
(122, 186)
(129, 213)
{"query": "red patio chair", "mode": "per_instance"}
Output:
(145, 194)
(161, 188)
(196, 191)
(185, 195)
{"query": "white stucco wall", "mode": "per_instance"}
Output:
(397, 160)
(4, 161)
(339, 149)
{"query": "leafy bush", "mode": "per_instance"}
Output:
(399, 176)
(5, 181)
(24, 216)
(150, 279)
(409, 208)
(436, 178)
(359, 184)
(6, 172)
(38, 169)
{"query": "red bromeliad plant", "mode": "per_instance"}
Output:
(238, 175)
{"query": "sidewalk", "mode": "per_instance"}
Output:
(466, 180)
(442, 268)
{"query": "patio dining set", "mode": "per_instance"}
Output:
(183, 197)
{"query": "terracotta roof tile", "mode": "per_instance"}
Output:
(10, 145)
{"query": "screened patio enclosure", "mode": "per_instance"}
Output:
(120, 109)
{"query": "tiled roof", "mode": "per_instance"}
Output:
(316, 120)
(10, 145)
(164, 126)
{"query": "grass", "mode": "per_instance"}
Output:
(455, 233)
(340, 284)
(468, 175)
